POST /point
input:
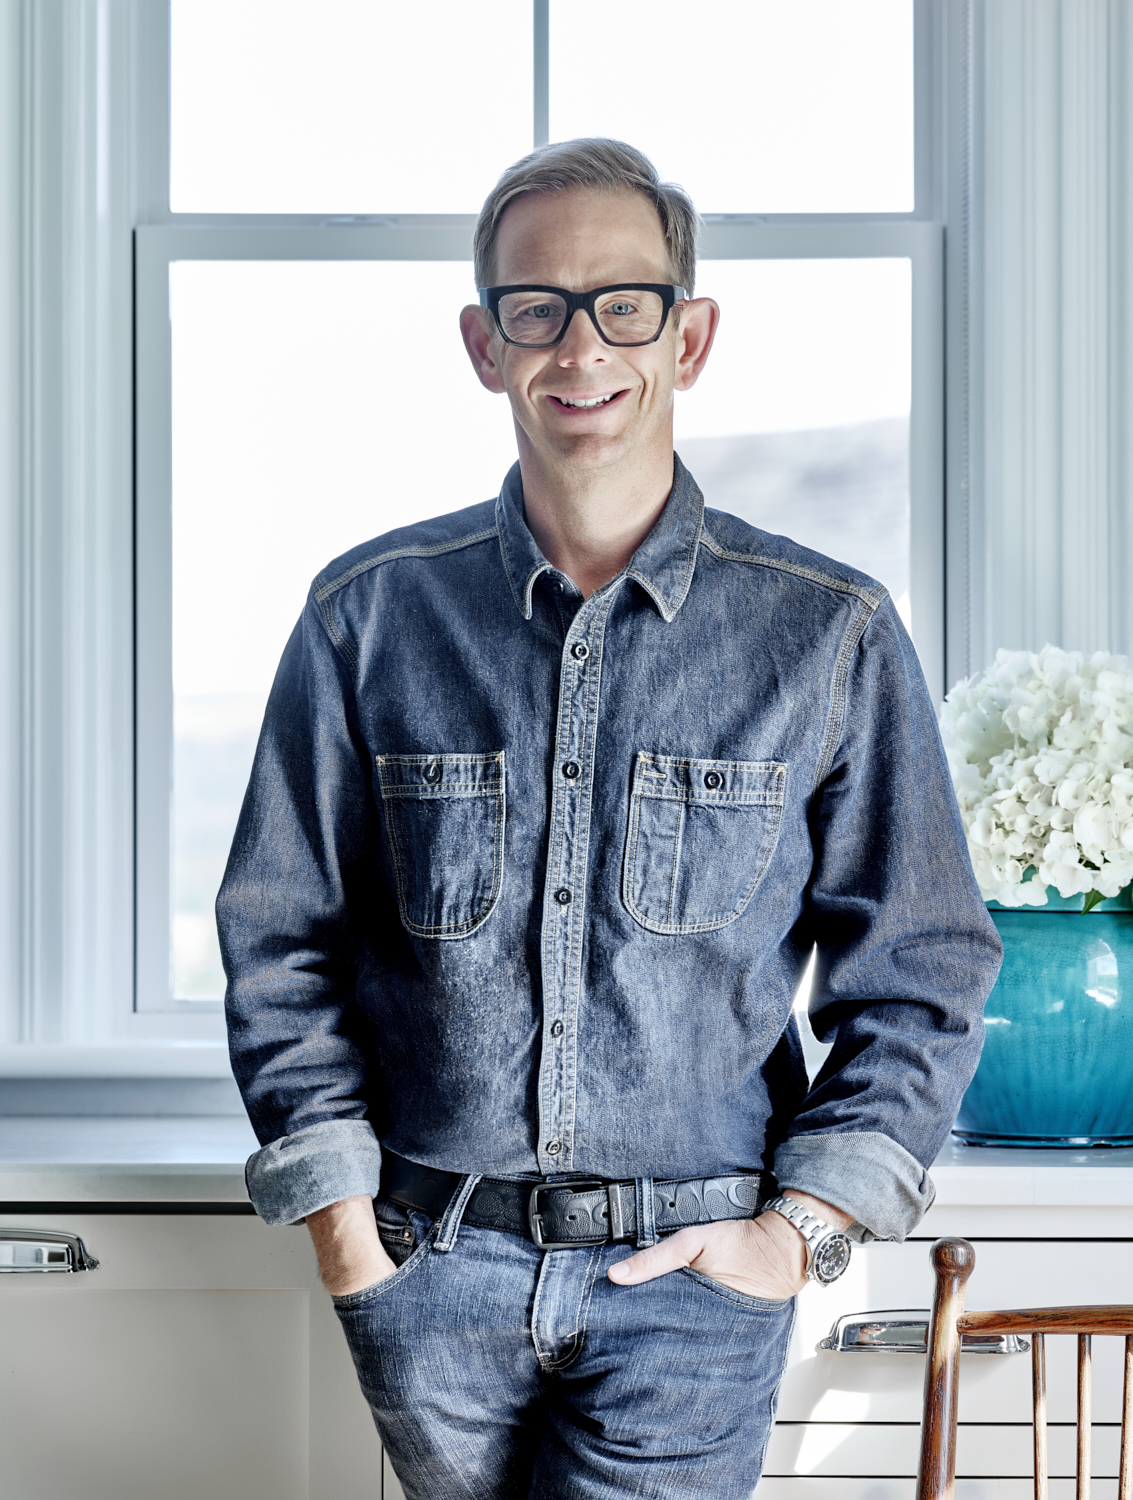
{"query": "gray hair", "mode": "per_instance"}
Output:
(608, 166)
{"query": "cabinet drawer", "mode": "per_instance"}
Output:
(882, 1488)
(202, 1358)
(866, 1450)
(822, 1386)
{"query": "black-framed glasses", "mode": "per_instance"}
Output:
(537, 317)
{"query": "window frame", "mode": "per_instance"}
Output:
(158, 246)
(85, 187)
(168, 237)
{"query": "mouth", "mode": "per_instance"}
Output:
(586, 403)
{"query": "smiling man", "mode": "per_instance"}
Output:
(555, 797)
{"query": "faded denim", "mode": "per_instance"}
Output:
(500, 1372)
(524, 884)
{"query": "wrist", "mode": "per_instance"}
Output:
(350, 1254)
(826, 1247)
(829, 1213)
(784, 1247)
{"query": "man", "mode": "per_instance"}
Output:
(555, 797)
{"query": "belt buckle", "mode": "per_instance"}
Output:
(535, 1221)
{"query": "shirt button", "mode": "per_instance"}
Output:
(432, 772)
(557, 1029)
(580, 650)
(554, 1147)
(562, 896)
(572, 770)
(713, 780)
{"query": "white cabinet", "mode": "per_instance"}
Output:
(202, 1359)
(848, 1423)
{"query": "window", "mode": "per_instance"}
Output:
(326, 161)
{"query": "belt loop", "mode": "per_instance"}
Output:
(646, 1225)
(450, 1220)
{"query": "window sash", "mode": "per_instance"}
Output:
(86, 967)
(448, 239)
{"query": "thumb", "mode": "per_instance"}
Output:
(670, 1254)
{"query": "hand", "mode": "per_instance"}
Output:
(764, 1257)
(346, 1242)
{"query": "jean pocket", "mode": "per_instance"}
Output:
(730, 1294)
(445, 820)
(701, 834)
(399, 1231)
(355, 1301)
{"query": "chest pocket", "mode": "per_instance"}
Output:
(445, 819)
(701, 834)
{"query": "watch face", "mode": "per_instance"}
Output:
(831, 1258)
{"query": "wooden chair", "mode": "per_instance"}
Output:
(953, 1262)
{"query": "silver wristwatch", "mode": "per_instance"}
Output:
(827, 1248)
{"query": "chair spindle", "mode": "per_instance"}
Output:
(953, 1261)
(1085, 1416)
(1038, 1390)
(1125, 1470)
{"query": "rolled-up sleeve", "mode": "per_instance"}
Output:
(298, 875)
(905, 950)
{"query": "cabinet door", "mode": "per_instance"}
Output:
(856, 1415)
(202, 1358)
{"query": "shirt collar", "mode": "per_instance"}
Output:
(663, 564)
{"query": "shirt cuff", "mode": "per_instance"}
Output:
(865, 1174)
(322, 1164)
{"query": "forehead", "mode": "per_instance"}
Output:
(581, 238)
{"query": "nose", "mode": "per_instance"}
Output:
(581, 346)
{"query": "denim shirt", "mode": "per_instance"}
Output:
(524, 884)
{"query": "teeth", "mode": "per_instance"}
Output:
(595, 401)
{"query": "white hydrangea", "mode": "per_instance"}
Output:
(1040, 748)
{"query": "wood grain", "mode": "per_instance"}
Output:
(1085, 1416)
(953, 1261)
(1125, 1467)
(1038, 1395)
(1110, 1318)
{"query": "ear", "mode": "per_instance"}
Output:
(479, 339)
(699, 321)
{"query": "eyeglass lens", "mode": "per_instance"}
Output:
(623, 317)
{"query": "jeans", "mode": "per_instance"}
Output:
(499, 1371)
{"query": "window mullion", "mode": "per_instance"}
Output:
(541, 90)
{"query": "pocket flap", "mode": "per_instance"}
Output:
(440, 775)
(680, 779)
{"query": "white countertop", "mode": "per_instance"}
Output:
(101, 1159)
(999, 1176)
(124, 1159)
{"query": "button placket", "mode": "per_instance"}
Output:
(563, 907)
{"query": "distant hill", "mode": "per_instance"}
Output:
(842, 490)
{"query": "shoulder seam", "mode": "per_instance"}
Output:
(332, 587)
(836, 718)
(337, 639)
(871, 598)
(322, 594)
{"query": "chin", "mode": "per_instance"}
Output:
(594, 450)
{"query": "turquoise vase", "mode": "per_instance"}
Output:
(1057, 1064)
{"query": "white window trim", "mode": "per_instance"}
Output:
(91, 110)
(158, 246)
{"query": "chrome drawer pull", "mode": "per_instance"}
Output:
(32, 1251)
(905, 1331)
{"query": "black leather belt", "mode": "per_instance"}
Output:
(586, 1211)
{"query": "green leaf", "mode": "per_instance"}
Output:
(1092, 899)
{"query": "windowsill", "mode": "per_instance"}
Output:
(143, 1059)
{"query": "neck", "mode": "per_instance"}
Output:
(588, 523)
